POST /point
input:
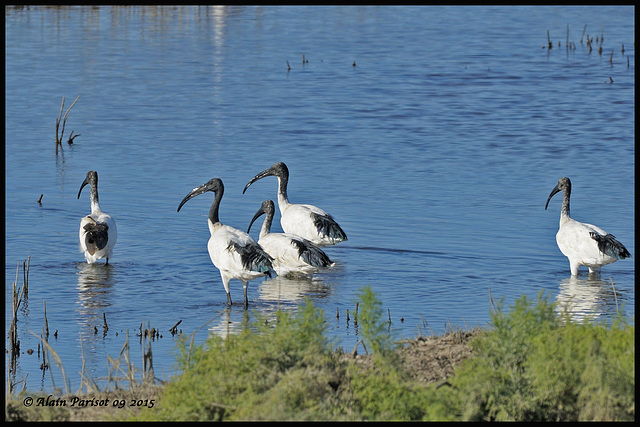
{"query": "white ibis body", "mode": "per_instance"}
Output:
(584, 244)
(98, 232)
(306, 221)
(292, 255)
(232, 251)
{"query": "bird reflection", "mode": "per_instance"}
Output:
(287, 290)
(94, 291)
(279, 293)
(229, 322)
(588, 298)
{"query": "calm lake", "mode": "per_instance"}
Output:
(433, 135)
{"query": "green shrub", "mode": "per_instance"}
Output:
(383, 392)
(372, 326)
(536, 366)
(273, 373)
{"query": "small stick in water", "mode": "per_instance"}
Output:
(173, 329)
(46, 323)
(355, 318)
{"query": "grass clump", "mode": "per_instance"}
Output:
(536, 366)
(266, 372)
(385, 391)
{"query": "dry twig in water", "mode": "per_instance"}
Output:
(64, 121)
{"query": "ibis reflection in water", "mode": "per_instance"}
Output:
(584, 244)
(292, 255)
(98, 233)
(232, 251)
(306, 221)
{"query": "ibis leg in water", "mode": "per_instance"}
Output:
(584, 244)
(306, 221)
(98, 233)
(292, 255)
(232, 251)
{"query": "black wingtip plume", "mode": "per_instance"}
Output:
(610, 246)
(329, 227)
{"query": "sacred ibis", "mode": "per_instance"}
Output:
(584, 244)
(232, 251)
(306, 221)
(292, 255)
(98, 233)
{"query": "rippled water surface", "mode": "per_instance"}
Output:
(432, 134)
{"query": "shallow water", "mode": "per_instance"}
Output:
(432, 134)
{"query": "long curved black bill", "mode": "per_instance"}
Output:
(267, 172)
(555, 190)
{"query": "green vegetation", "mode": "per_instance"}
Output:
(531, 365)
(534, 365)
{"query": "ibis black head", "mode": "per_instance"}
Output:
(279, 170)
(215, 185)
(267, 208)
(91, 179)
(564, 185)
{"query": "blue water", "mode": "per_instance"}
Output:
(432, 134)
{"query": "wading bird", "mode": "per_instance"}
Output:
(292, 255)
(584, 244)
(306, 221)
(232, 251)
(98, 233)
